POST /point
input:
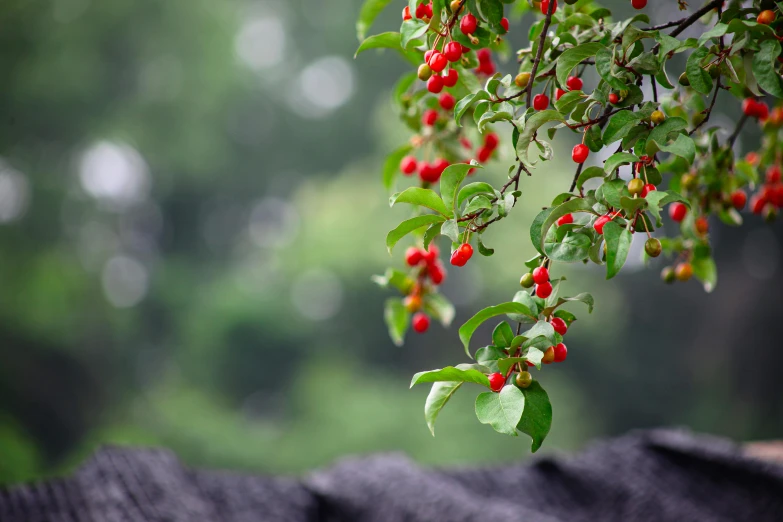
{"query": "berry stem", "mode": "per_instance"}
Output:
(542, 39)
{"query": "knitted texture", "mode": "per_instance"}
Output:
(658, 475)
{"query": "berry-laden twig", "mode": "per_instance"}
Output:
(675, 167)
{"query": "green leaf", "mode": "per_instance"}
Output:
(572, 248)
(439, 308)
(526, 299)
(765, 68)
(502, 335)
(575, 205)
(422, 197)
(716, 32)
(389, 40)
(501, 410)
(392, 165)
(537, 415)
(584, 297)
(566, 316)
(632, 204)
(439, 395)
(706, 271)
(573, 57)
(431, 233)
(450, 181)
(660, 133)
(617, 159)
(613, 192)
(467, 330)
(603, 64)
(367, 15)
(589, 173)
(658, 198)
(450, 229)
(568, 101)
(471, 189)
(531, 127)
(396, 278)
(492, 11)
(478, 203)
(475, 373)
(683, 147)
(536, 228)
(397, 318)
(618, 242)
(620, 125)
(464, 104)
(699, 78)
(408, 226)
(411, 31)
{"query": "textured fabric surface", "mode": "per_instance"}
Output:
(657, 475)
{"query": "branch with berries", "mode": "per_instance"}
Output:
(608, 82)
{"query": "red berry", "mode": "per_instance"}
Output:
(452, 51)
(614, 99)
(406, 14)
(749, 107)
(487, 68)
(428, 173)
(461, 255)
(580, 153)
(421, 322)
(545, 6)
(560, 352)
(540, 275)
(677, 211)
(574, 83)
(496, 381)
(504, 23)
(639, 4)
(600, 222)
(446, 101)
(549, 355)
(752, 157)
(436, 273)
(408, 165)
(437, 61)
(647, 189)
(483, 154)
(428, 9)
(413, 256)
(739, 199)
(440, 165)
(466, 143)
(565, 220)
(435, 84)
(559, 325)
(540, 101)
(491, 141)
(773, 174)
(757, 203)
(429, 117)
(430, 255)
(421, 11)
(559, 93)
(483, 55)
(762, 111)
(544, 290)
(450, 80)
(766, 17)
(776, 194)
(468, 24)
(702, 225)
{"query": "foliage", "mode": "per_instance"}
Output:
(661, 129)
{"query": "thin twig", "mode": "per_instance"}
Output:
(540, 51)
(737, 130)
(708, 110)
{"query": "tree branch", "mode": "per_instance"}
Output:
(540, 51)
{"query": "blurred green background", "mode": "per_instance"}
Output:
(190, 213)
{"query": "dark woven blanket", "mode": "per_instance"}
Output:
(645, 476)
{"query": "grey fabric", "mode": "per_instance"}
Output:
(660, 475)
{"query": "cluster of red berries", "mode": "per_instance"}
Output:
(462, 254)
(486, 65)
(423, 12)
(541, 279)
(755, 109)
(770, 195)
(574, 83)
(428, 172)
(430, 268)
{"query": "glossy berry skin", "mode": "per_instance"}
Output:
(565, 220)
(773, 174)
(440, 165)
(739, 199)
(435, 84)
(429, 117)
(468, 24)
(540, 102)
(413, 256)
(561, 352)
(614, 99)
(652, 247)
(446, 101)
(462, 254)
(522, 79)
(544, 290)
(702, 225)
(683, 271)
(549, 355)
(452, 51)
(496, 381)
(574, 83)
(639, 4)
(757, 203)
(504, 23)
(437, 61)
(766, 17)
(545, 6)
(559, 325)
(657, 117)
(647, 189)
(421, 322)
(408, 165)
(749, 106)
(526, 281)
(559, 93)
(491, 140)
(483, 154)
(635, 186)
(451, 77)
(579, 153)
(406, 14)
(540, 275)
(524, 379)
(436, 273)
(424, 72)
(677, 211)
(600, 222)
